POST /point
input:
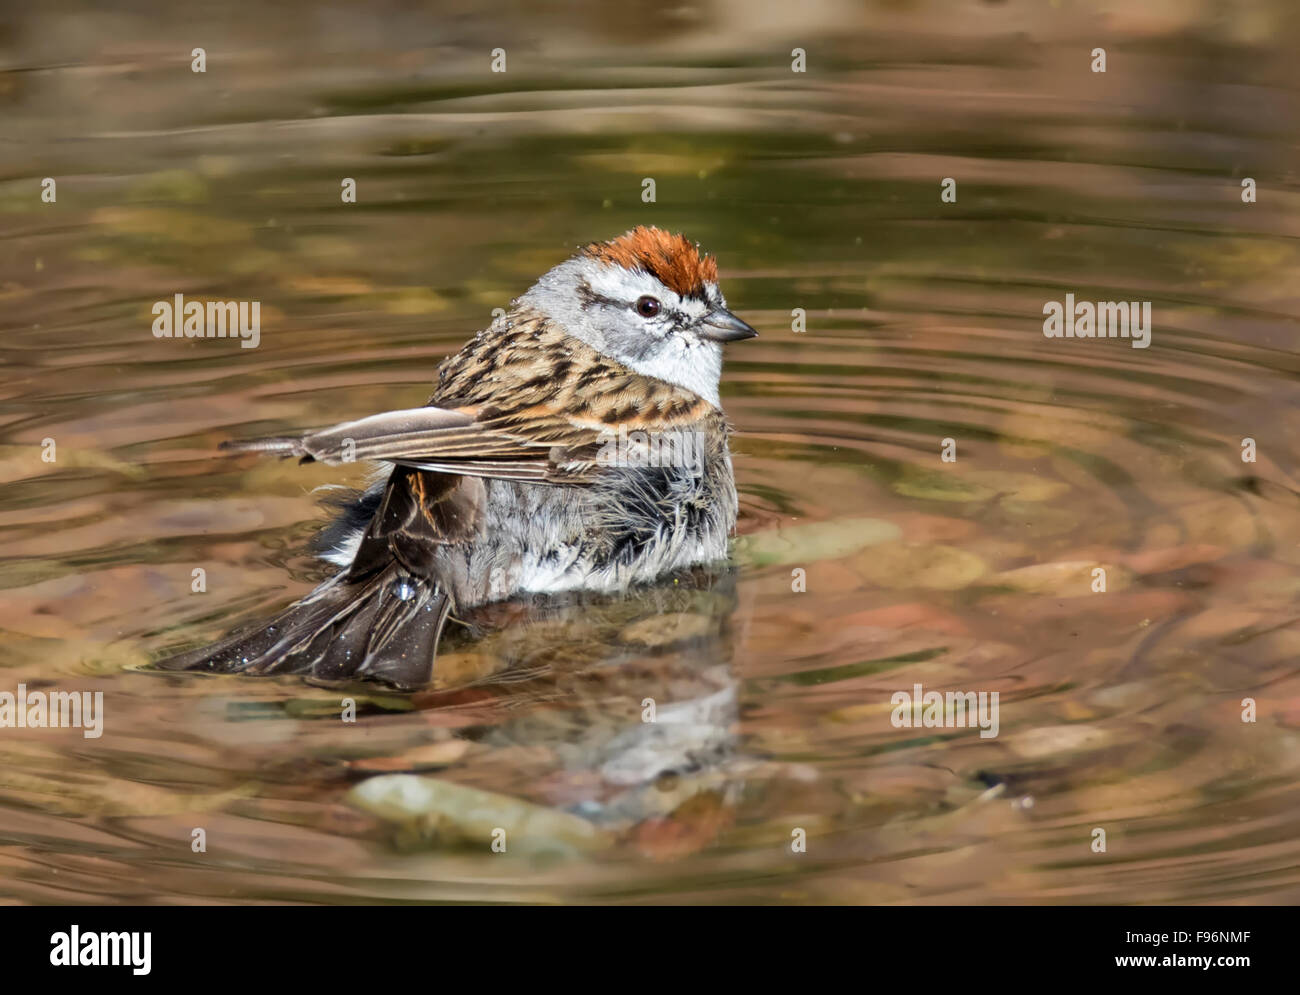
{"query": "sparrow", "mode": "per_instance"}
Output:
(576, 444)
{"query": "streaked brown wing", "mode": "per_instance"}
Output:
(381, 436)
(535, 445)
(521, 402)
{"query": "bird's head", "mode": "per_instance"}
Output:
(648, 299)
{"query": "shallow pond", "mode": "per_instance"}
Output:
(897, 328)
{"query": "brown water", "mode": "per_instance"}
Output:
(1119, 710)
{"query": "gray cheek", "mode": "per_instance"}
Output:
(637, 343)
(632, 339)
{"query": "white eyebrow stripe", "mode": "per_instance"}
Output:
(627, 285)
(694, 309)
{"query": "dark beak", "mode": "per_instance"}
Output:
(723, 326)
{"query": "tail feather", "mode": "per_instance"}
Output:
(384, 627)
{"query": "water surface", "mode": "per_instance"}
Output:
(817, 191)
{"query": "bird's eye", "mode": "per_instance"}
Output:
(647, 307)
